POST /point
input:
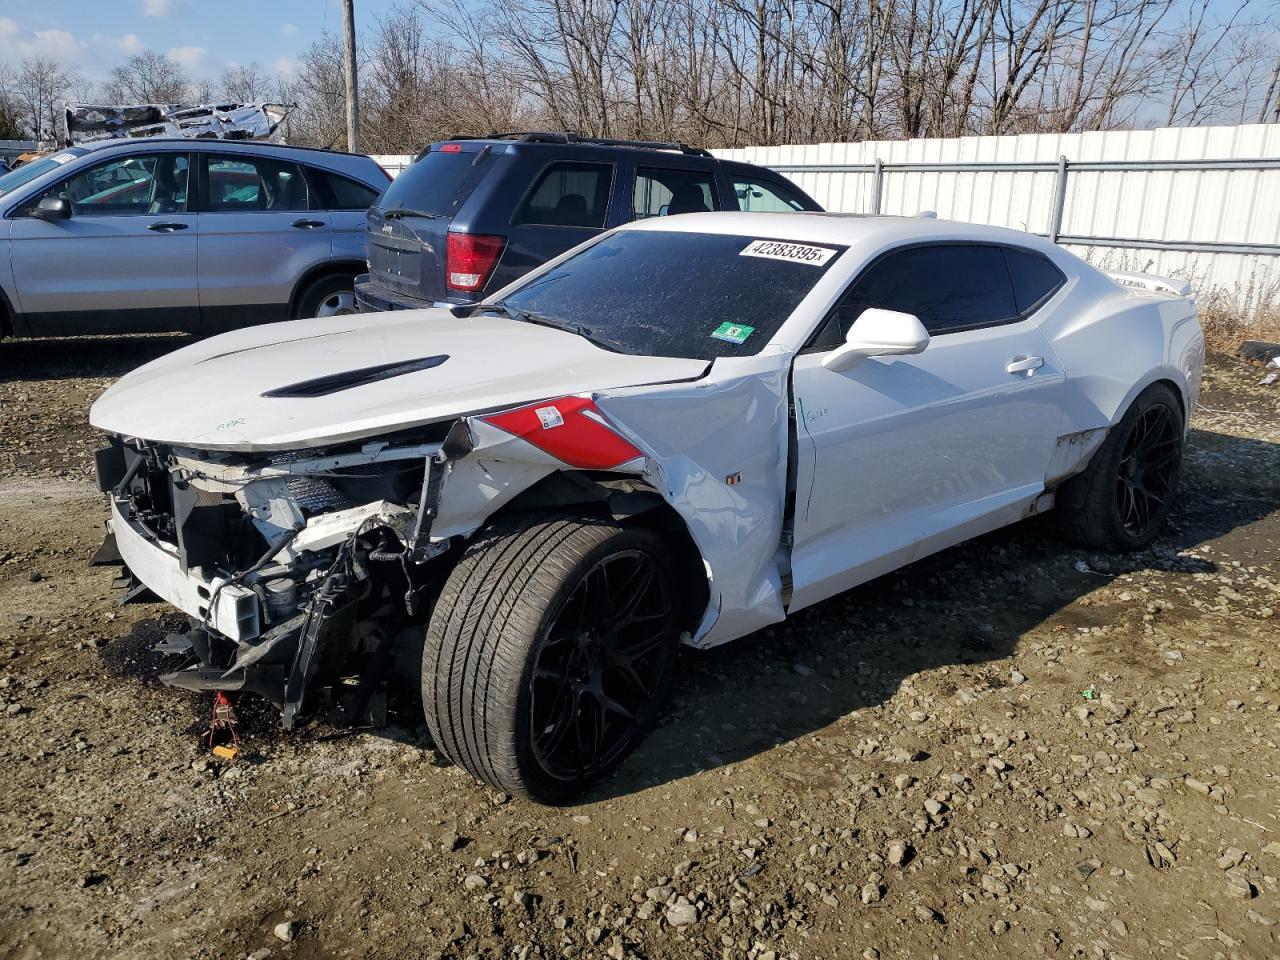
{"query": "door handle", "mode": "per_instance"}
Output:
(1027, 365)
(166, 227)
(307, 224)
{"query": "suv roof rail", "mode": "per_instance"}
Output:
(550, 136)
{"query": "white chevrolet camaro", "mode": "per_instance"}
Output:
(684, 430)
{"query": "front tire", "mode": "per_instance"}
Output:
(549, 652)
(1120, 502)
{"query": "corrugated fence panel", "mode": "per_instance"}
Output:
(1194, 206)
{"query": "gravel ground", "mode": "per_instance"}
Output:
(1013, 749)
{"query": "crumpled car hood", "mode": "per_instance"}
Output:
(309, 383)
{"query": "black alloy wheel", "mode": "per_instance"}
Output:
(601, 662)
(1149, 463)
(1122, 498)
(550, 651)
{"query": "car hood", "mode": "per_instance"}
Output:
(309, 383)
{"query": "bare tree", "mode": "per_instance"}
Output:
(318, 90)
(1270, 109)
(11, 118)
(41, 87)
(723, 73)
(147, 77)
(246, 83)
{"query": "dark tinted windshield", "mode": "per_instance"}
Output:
(438, 184)
(670, 294)
(35, 168)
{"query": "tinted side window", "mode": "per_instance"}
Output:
(243, 184)
(132, 186)
(661, 193)
(756, 195)
(1035, 279)
(344, 194)
(569, 195)
(948, 287)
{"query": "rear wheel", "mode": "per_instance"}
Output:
(330, 296)
(1120, 502)
(549, 652)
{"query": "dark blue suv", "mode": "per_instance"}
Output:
(472, 215)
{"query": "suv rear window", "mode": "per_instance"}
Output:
(665, 293)
(438, 184)
(569, 195)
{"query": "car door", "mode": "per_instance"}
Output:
(568, 204)
(258, 236)
(897, 457)
(124, 261)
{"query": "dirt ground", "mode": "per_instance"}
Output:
(1013, 749)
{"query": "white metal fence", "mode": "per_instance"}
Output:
(1202, 203)
(1199, 202)
(393, 163)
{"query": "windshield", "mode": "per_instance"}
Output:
(29, 171)
(438, 184)
(671, 294)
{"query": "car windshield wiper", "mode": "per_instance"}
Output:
(529, 316)
(397, 213)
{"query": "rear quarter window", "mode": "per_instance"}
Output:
(1035, 278)
(342, 193)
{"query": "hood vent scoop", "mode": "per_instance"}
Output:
(337, 382)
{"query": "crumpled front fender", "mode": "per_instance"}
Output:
(717, 452)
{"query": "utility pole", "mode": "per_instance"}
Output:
(349, 72)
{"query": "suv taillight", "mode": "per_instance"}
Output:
(470, 259)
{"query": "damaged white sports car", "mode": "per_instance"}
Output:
(685, 429)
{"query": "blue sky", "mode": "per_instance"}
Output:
(205, 36)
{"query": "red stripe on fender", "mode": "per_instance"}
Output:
(579, 441)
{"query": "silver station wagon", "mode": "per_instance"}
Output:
(177, 234)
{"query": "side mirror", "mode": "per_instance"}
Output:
(878, 333)
(52, 208)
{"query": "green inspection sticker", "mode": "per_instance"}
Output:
(733, 332)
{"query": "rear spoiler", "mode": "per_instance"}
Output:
(1151, 283)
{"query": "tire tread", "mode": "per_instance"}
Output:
(482, 630)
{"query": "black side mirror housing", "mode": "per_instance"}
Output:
(52, 208)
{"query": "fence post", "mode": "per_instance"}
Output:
(875, 186)
(1059, 200)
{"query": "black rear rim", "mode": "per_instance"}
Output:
(600, 666)
(1148, 468)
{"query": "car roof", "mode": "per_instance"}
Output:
(212, 143)
(560, 141)
(357, 165)
(846, 229)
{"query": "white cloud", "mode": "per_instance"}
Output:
(130, 43)
(157, 8)
(189, 57)
(21, 43)
(285, 67)
(289, 29)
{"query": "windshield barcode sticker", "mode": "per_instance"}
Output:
(791, 252)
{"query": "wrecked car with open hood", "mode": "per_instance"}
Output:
(684, 429)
